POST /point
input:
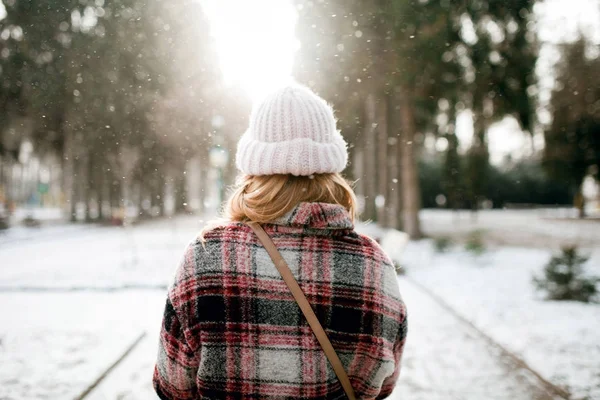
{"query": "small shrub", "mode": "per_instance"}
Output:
(442, 244)
(31, 222)
(475, 243)
(564, 277)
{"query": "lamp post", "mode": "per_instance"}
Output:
(218, 158)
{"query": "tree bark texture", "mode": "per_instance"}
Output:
(382, 158)
(411, 193)
(370, 158)
(394, 192)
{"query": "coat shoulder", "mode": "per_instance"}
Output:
(374, 250)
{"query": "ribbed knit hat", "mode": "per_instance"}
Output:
(291, 131)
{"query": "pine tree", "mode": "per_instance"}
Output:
(565, 279)
(572, 141)
(502, 54)
(388, 54)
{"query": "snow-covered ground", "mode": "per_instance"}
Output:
(494, 291)
(72, 257)
(446, 359)
(45, 214)
(561, 340)
(73, 299)
(54, 345)
(542, 228)
(443, 359)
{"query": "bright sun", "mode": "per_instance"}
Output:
(255, 41)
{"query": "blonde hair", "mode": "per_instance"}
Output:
(265, 198)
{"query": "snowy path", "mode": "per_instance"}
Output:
(494, 291)
(80, 257)
(55, 342)
(444, 359)
(59, 343)
(54, 345)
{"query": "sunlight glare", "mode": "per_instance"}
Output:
(255, 41)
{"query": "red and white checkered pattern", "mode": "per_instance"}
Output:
(231, 328)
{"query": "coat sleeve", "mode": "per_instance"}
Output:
(177, 362)
(390, 382)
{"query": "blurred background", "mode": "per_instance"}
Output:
(473, 127)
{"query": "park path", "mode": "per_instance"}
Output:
(87, 295)
(444, 359)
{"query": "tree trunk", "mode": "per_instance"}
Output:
(160, 190)
(125, 198)
(75, 191)
(358, 167)
(68, 175)
(203, 187)
(88, 187)
(393, 196)
(382, 160)
(101, 179)
(111, 189)
(579, 202)
(141, 191)
(452, 168)
(411, 193)
(115, 197)
(478, 162)
(180, 194)
(369, 157)
(5, 167)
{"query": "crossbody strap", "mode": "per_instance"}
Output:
(307, 310)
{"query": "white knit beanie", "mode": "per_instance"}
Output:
(291, 131)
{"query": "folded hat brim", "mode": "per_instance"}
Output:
(300, 156)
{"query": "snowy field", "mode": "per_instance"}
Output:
(54, 345)
(542, 228)
(560, 340)
(73, 299)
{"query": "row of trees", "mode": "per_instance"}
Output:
(521, 184)
(397, 69)
(572, 148)
(126, 91)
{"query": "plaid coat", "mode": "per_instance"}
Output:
(232, 330)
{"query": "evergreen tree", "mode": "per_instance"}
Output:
(500, 55)
(573, 138)
(565, 279)
(392, 55)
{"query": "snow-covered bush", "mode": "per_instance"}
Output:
(31, 222)
(442, 244)
(565, 279)
(475, 243)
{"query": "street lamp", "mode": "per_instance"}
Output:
(218, 158)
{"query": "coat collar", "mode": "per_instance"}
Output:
(317, 216)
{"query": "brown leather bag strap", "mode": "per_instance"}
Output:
(307, 310)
